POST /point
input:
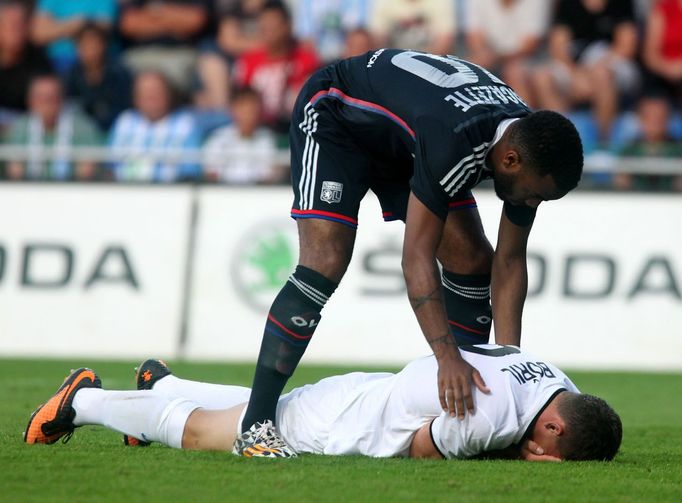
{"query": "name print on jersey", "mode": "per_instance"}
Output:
(529, 371)
(483, 95)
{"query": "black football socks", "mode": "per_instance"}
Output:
(291, 322)
(467, 302)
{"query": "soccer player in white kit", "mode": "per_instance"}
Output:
(532, 402)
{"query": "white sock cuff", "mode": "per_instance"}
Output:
(83, 402)
(173, 420)
(241, 418)
(166, 385)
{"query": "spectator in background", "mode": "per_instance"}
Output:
(161, 35)
(19, 60)
(358, 41)
(101, 86)
(504, 36)
(324, 24)
(238, 29)
(237, 32)
(49, 123)
(152, 131)
(56, 23)
(426, 25)
(655, 140)
(592, 44)
(243, 152)
(279, 68)
(663, 49)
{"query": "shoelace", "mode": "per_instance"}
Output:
(67, 437)
(270, 436)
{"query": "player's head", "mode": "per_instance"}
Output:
(593, 429)
(579, 427)
(541, 159)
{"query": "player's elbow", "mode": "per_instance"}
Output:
(417, 268)
(409, 263)
(509, 262)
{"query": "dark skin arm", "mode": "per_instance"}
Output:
(423, 231)
(509, 282)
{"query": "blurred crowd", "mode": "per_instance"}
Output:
(150, 81)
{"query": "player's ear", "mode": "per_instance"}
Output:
(511, 161)
(555, 428)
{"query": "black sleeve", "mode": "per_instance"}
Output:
(523, 216)
(448, 163)
(432, 151)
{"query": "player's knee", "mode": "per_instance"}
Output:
(330, 264)
(472, 257)
(326, 247)
(329, 258)
(481, 260)
(190, 437)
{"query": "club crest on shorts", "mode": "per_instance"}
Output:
(331, 192)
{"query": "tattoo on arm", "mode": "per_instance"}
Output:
(418, 302)
(446, 339)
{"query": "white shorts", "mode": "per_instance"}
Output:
(306, 415)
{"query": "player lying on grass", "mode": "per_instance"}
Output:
(533, 412)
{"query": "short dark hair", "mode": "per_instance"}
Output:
(593, 429)
(245, 93)
(91, 27)
(278, 6)
(549, 143)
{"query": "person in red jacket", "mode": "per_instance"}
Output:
(279, 68)
(663, 49)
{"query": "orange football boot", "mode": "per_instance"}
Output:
(54, 419)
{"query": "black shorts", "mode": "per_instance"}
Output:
(331, 172)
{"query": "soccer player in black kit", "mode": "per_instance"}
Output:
(420, 131)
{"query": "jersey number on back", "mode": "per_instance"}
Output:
(463, 71)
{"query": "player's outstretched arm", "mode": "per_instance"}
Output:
(509, 282)
(212, 430)
(423, 231)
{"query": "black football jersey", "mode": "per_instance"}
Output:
(436, 114)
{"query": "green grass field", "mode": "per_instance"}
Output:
(95, 466)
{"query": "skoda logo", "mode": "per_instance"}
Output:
(263, 261)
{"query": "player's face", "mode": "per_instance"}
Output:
(523, 187)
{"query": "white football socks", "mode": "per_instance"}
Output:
(207, 395)
(146, 415)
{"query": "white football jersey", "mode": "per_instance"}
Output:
(378, 414)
